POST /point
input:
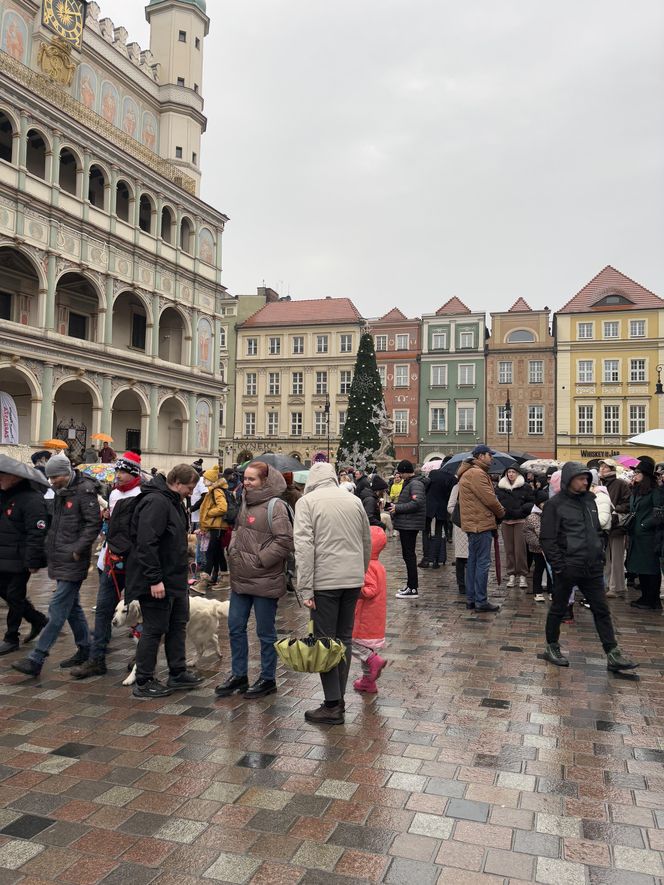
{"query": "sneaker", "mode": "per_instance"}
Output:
(611, 594)
(366, 685)
(92, 667)
(487, 607)
(151, 689)
(539, 597)
(616, 661)
(523, 583)
(407, 593)
(326, 715)
(27, 666)
(260, 689)
(81, 656)
(511, 581)
(376, 665)
(35, 630)
(6, 648)
(553, 655)
(424, 563)
(183, 681)
(470, 605)
(232, 685)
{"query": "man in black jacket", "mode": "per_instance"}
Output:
(572, 543)
(438, 489)
(76, 524)
(408, 518)
(22, 537)
(157, 575)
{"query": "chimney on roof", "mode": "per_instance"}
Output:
(328, 298)
(270, 295)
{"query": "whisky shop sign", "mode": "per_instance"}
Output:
(598, 453)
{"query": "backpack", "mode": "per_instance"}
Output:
(289, 567)
(232, 507)
(118, 538)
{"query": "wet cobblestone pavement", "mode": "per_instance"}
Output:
(476, 763)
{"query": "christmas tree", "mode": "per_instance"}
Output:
(361, 435)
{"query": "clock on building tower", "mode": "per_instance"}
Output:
(66, 18)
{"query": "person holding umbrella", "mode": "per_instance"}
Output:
(23, 524)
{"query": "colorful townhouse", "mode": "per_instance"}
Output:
(452, 383)
(397, 344)
(520, 381)
(610, 343)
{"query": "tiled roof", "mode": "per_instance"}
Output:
(393, 316)
(609, 282)
(305, 313)
(454, 305)
(519, 306)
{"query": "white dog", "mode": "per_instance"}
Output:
(206, 617)
(386, 519)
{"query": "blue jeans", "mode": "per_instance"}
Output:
(65, 605)
(477, 567)
(107, 600)
(265, 611)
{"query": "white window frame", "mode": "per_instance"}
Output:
(585, 372)
(380, 343)
(344, 340)
(535, 375)
(585, 326)
(615, 370)
(640, 324)
(345, 383)
(613, 325)
(272, 424)
(322, 343)
(505, 372)
(502, 421)
(274, 345)
(274, 383)
(296, 423)
(320, 423)
(611, 419)
(298, 345)
(441, 335)
(441, 370)
(585, 424)
(223, 338)
(535, 420)
(641, 372)
(466, 406)
(251, 384)
(297, 383)
(400, 344)
(399, 371)
(464, 336)
(343, 415)
(321, 383)
(466, 367)
(435, 427)
(250, 423)
(401, 418)
(252, 346)
(637, 424)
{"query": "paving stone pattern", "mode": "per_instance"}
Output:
(476, 763)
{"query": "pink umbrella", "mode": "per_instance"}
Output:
(627, 460)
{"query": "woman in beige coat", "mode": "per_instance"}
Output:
(460, 540)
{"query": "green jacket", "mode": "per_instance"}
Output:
(645, 534)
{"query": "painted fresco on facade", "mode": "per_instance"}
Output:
(206, 246)
(87, 90)
(149, 131)
(205, 344)
(203, 426)
(14, 36)
(130, 116)
(110, 102)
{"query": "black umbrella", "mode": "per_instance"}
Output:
(282, 463)
(499, 463)
(17, 468)
(520, 457)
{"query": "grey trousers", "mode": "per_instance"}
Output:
(614, 570)
(334, 616)
(516, 555)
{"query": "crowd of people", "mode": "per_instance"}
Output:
(575, 534)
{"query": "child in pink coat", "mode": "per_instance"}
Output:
(370, 616)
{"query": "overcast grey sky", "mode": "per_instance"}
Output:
(399, 152)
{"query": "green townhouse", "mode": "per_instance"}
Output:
(452, 380)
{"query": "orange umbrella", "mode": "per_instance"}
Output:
(54, 444)
(102, 437)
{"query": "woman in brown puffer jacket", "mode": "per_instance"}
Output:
(257, 557)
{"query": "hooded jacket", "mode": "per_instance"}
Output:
(441, 483)
(74, 529)
(257, 554)
(619, 492)
(371, 608)
(331, 533)
(159, 528)
(410, 511)
(370, 502)
(214, 506)
(517, 499)
(23, 523)
(570, 534)
(479, 506)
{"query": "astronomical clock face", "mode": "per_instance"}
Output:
(66, 18)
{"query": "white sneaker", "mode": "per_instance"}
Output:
(523, 582)
(407, 593)
(539, 597)
(511, 580)
(611, 594)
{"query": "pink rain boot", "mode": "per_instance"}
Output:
(375, 664)
(365, 684)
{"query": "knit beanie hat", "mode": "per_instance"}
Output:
(646, 465)
(378, 484)
(405, 467)
(212, 475)
(130, 462)
(58, 465)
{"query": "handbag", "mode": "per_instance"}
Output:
(310, 654)
(456, 514)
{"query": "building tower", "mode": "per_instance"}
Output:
(177, 31)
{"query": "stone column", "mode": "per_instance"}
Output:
(108, 318)
(106, 396)
(53, 167)
(46, 415)
(215, 432)
(191, 430)
(155, 326)
(153, 419)
(216, 350)
(49, 313)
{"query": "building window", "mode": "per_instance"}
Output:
(637, 370)
(345, 343)
(178, 153)
(501, 423)
(466, 374)
(321, 383)
(504, 373)
(438, 419)
(194, 159)
(221, 416)
(586, 372)
(535, 371)
(402, 342)
(584, 330)
(296, 423)
(223, 338)
(78, 326)
(342, 421)
(138, 327)
(382, 374)
(586, 419)
(274, 346)
(5, 306)
(182, 36)
(249, 423)
(197, 43)
(180, 81)
(322, 344)
(401, 376)
(465, 419)
(521, 336)
(535, 420)
(380, 342)
(439, 376)
(466, 340)
(401, 421)
(611, 420)
(612, 329)
(274, 383)
(439, 341)
(252, 346)
(346, 380)
(297, 386)
(637, 419)
(637, 328)
(320, 423)
(250, 384)
(611, 372)
(298, 345)
(272, 423)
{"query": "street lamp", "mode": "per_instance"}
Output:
(327, 421)
(508, 419)
(659, 390)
